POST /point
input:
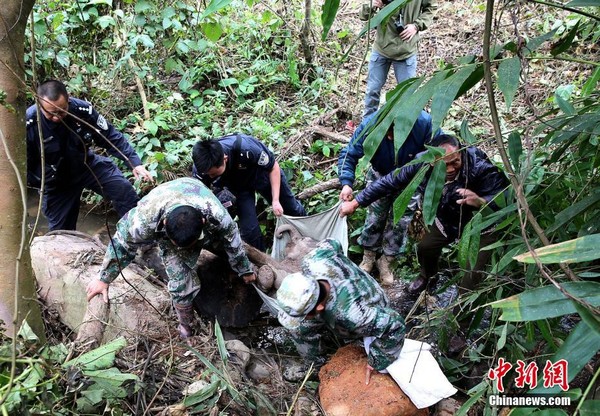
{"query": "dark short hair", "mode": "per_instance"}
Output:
(207, 154)
(445, 139)
(184, 225)
(52, 90)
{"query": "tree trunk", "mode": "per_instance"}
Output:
(16, 281)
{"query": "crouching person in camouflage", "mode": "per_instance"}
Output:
(331, 291)
(183, 217)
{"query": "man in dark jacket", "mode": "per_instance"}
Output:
(70, 127)
(379, 232)
(472, 181)
(244, 166)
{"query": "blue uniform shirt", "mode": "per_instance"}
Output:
(385, 158)
(67, 144)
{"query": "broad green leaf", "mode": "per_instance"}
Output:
(143, 5)
(590, 408)
(581, 249)
(564, 44)
(403, 199)
(547, 302)
(212, 31)
(213, 7)
(515, 150)
(330, 8)
(584, 3)
(562, 96)
(105, 21)
(535, 43)
(151, 126)
(110, 381)
(464, 409)
(509, 74)
(567, 215)
(578, 349)
(446, 92)
(101, 357)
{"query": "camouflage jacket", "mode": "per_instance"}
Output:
(144, 224)
(356, 307)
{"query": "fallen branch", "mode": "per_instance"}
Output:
(318, 188)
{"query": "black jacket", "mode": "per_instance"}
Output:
(477, 174)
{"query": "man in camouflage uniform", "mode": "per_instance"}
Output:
(379, 232)
(331, 291)
(180, 240)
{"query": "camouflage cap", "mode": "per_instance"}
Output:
(298, 294)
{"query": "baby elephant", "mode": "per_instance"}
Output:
(297, 247)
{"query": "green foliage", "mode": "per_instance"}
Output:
(43, 381)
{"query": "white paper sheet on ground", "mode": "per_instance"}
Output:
(424, 384)
(326, 224)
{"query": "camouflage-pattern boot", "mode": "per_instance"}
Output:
(368, 261)
(385, 271)
(185, 314)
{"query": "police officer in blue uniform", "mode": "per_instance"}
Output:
(244, 166)
(70, 127)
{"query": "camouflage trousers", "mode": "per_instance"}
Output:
(379, 232)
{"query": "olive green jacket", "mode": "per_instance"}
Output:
(388, 42)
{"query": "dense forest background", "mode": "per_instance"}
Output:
(517, 78)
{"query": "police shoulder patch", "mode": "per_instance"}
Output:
(101, 122)
(263, 160)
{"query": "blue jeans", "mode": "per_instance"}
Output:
(379, 66)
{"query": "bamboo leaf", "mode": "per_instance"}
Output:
(221, 344)
(572, 211)
(99, 358)
(502, 340)
(213, 7)
(446, 92)
(403, 199)
(468, 246)
(581, 249)
(536, 42)
(590, 408)
(433, 192)
(330, 9)
(563, 44)
(590, 84)
(515, 150)
(547, 302)
(578, 349)
(509, 74)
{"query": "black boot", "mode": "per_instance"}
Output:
(418, 285)
(185, 314)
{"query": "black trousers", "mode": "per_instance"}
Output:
(430, 248)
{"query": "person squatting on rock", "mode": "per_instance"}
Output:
(379, 232)
(332, 292)
(183, 217)
(244, 166)
(70, 127)
(472, 181)
(396, 45)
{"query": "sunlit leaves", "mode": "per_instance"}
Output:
(581, 249)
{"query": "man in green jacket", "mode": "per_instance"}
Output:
(183, 217)
(333, 293)
(396, 44)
